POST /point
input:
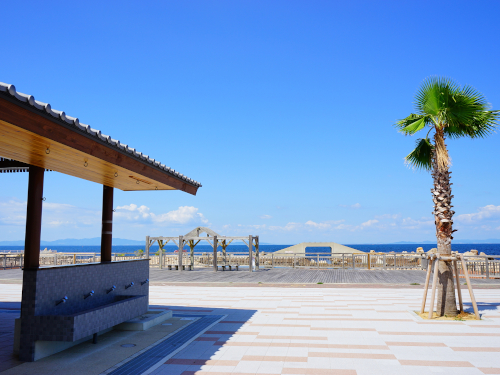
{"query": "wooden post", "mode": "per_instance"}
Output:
(33, 218)
(215, 253)
(272, 260)
(343, 261)
(160, 254)
(394, 261)
(353, 261)
(469, 286)
(487, 268)
(181, 251)
(74, 258)
(434, 287)
(250, 255)
(426, 287)
(257, 254)
(459, 291)
(107, 224)
(369, 263)
(147, 247)
(317, 258)
(385, 261)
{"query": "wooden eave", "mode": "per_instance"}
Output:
(36, 138)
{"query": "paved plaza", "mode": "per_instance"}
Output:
(276, 330)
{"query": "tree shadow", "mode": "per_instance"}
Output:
(482, 306)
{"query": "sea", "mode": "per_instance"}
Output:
(489, 249)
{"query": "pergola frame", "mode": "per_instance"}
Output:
(193, 238)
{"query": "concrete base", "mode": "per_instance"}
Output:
(145, 321)
(47, 348)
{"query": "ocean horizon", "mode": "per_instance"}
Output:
(489, 249)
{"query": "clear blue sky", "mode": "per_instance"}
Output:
(283, 110)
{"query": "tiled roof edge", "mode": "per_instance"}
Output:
(75, 123)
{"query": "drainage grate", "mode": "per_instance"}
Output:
(159, 352)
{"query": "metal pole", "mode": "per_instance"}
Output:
(34, 218)
(250, 255)
(215, 253)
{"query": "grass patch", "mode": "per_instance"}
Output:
(320, 282)
(414, 284)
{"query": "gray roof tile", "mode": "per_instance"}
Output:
(41, 106)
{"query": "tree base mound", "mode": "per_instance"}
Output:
(461, 316)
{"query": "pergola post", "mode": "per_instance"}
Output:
(250, 255)
(181, 251)
(147, 247)
(215, 252)
(33, 218)
(257, 254)
(107, 224)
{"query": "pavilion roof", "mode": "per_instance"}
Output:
(61, 121)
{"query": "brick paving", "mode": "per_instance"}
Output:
(277, 330)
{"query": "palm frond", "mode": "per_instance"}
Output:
(412, 124)
(421, 156)
(434, 95)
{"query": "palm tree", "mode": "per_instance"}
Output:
(448, 110)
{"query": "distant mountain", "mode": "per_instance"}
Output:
(77, 242)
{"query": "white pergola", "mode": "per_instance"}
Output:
(215, 240)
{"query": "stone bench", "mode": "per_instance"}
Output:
(187, 267)
(230, 266)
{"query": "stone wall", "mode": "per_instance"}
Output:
(42, 318)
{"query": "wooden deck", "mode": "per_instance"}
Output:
(276, 276)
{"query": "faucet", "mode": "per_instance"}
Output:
(62, 300)
(110, 290)
(130, 285)
(89, 295)
(145, 282)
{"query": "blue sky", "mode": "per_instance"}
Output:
(283, 110)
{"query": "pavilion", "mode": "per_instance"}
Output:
(56, 308)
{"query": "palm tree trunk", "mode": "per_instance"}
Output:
(443, 216)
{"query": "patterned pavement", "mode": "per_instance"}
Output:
(322, 331)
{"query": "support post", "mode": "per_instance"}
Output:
(147, 247)
(353, 261)
(369, 261)
(317, 260)
(469, 286)
(272, 260)
(33, 218)
(487, 268)
(426, 287)
(107, 223)
(434, 287)
(250, 254)
(181, 251)
(343, 260)
(394, 261)
(459, 291)
(216, 242)
(257, 254)
(385, 261)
